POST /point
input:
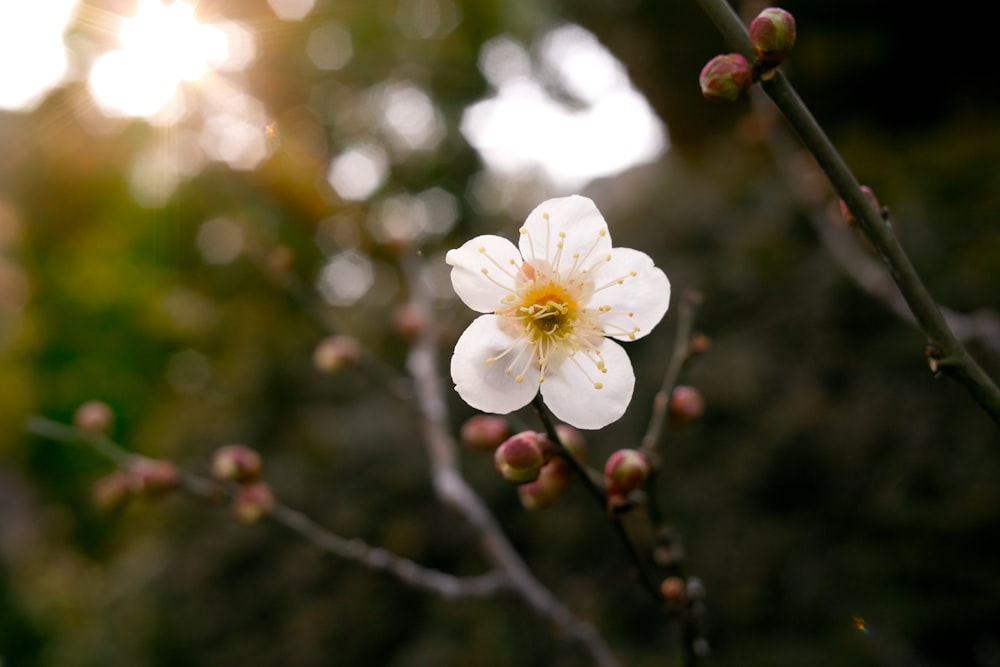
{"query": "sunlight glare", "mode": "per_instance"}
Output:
(162, 46)
(31, 36)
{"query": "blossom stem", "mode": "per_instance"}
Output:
(597, 493)
(945, 352)
(686, 312)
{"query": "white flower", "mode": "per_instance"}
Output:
(552, 309)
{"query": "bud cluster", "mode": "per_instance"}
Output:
(241, 465)
(725, 77)
(142, 478)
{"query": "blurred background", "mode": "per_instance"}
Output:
(162, 163)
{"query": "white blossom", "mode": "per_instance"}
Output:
(553, 308)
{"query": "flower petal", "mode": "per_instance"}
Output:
(577, 217)
(633, 304)
(485, 385)
(570, 393)
(482, 272)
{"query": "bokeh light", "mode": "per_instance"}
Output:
(608, 128)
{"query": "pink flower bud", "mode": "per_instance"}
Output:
(520, 458)
(236, 463)
(686, 404)
(334, 353)
(252, 502)
(626, 471)
(551, 483)
(93, 417)
(773, 34)
(725, 77)
(485, 432)
(154, 477)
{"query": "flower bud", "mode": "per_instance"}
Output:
(551, 483)
(154, 477)
(699, 345)
(846, 212)
(725, 77)
(236, 463)
(625, 471)
(520, 458)
(773, 34)
(686, 404)
(252, 502)
(113, 491)
(485, 432)
(334, 353)
(93, 417)
(410, 320)
(673, 590)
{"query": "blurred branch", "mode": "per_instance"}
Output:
(375, 558)
(687, 310)
(944, 351)
(455, 492)
(982, 326)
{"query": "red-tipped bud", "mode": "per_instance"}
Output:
(252, 502)
(725, 77)
(520, 458)
(548, 488)
(573, 440)
(93, 417)
(485, 432)
(674, 590)
(846, 212)
(686, 404)
(773, 34)
(334, 353)
(113, 491)
(154, 477)
(236, 463)
(626, 471)
(700, 343)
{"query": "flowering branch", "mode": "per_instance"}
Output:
(453, 490)
(407, 571)
(945, 352)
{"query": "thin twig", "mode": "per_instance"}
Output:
(686, 312)
(407, 571)
(945, 352)
(599, 496)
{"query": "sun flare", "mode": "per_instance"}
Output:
(161, 47)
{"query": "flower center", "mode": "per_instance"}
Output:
(548, 312)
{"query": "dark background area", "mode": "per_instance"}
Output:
(831, 479)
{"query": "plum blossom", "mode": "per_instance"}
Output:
(553, 308)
